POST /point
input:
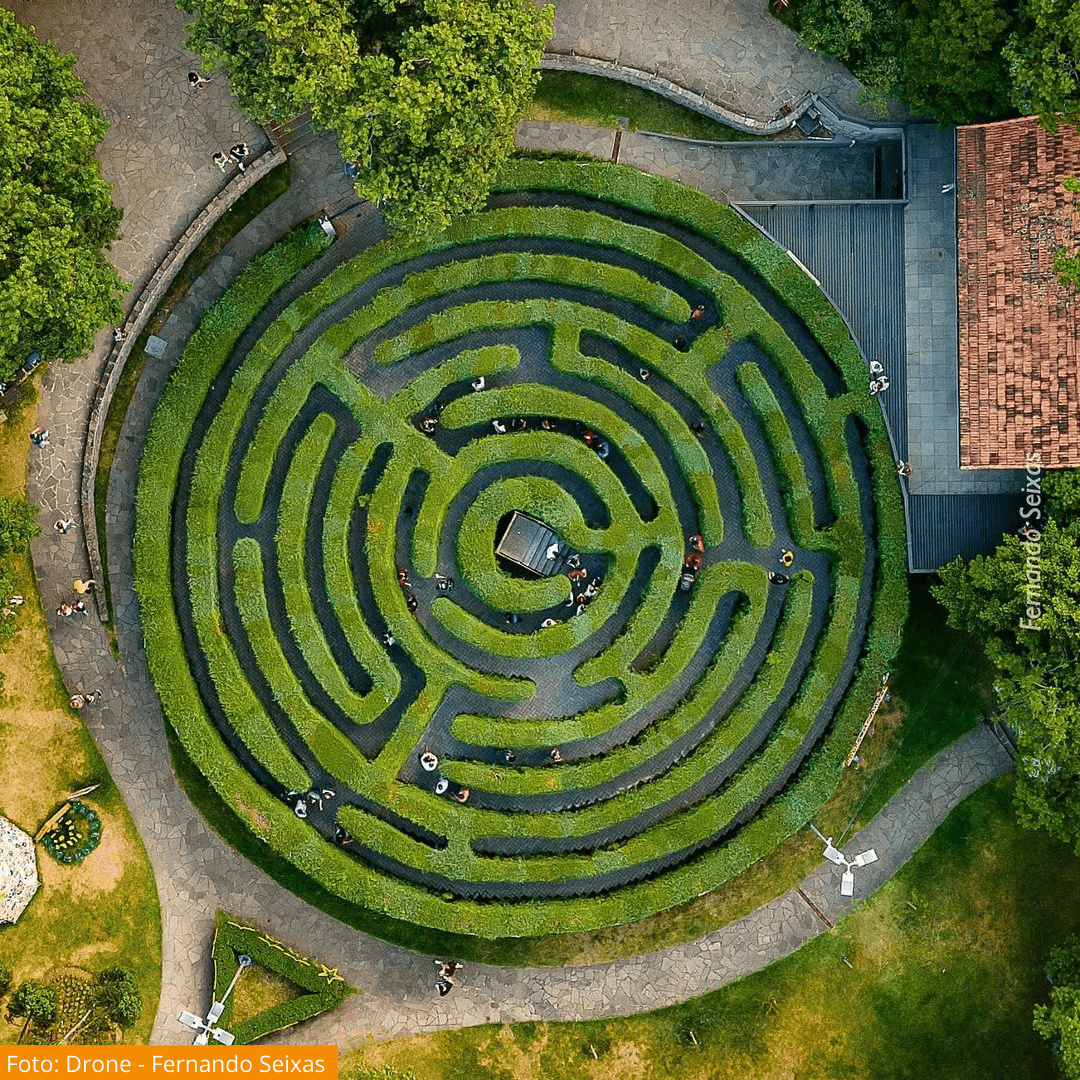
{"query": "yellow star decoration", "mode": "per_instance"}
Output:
(329, 974)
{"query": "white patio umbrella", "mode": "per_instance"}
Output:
(18, 871)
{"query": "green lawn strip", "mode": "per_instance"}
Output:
(291, 540)
(713, 583)
(687, 448)
(790, 471)
(478, 535)
(341, 588)
(593, 99)
(936, 974)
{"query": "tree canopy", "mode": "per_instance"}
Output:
(1060, 1020)
(1024, 603)
(424, 94)
(1042, 54)
(56, 286)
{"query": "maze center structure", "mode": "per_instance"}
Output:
(427, 729)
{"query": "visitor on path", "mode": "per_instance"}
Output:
(693, 561)
(462, 795)
(221, 161)
(77, 701)
(698, 428)
(588, 437)
(787, 557)
(442, 785)
(445, 585)
(428, 424)
(547, 425)
(412, 604)
(118, 335)
(94, 697)
(63, 525)
(903, 468)
(40, 436)
(519, 423)
(80, 607)
(196, 81)
(698, 312)
(448, 968)
(83, 587)
(643, 374)
(778, 579)
(876, 368)
(17, 600)
(499, 426)
(428, 761)
(574, 561)
(548, 623)
(602, 451)
(697, 543)
(508, 756)
(240, 153)
(403, 577)
(552, 552)
(64, 610)
(512, 619)
(681, 343)
(389, 639)
(444, 986)
(478, 383)
(555, 754)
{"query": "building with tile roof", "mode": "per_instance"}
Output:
(1019, 330)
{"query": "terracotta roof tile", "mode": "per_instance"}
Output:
(1019, 343)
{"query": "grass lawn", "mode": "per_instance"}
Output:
(946, 964)
(592, 99)
(103, 912)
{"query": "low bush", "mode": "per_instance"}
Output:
(324, 988)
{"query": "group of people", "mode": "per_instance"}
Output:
(787, 560)
(444, 981)
(580, 595)
(238, 155)
(410, 597)
(594, 442)
(429, 762)
(313, 797)
(79, 606)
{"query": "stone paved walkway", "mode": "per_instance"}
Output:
(732, 50)
(157, 158)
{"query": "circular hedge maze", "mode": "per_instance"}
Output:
(424, 725)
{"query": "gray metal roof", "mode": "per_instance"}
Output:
(940, 527)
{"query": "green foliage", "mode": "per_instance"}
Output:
(117, 993)
(1066, 261)
(5, 979)
(391, 421)
(56, 286)
(36, 1002)
(951, 65)
(324, 989)
(1024, 601)
(1060, 1020)
(424, 94)
(943, 61)
(1042, 56)
(18, 524)
(75, 835)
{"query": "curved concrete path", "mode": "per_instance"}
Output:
(132, 56)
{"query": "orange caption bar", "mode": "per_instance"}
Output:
(170, 1061)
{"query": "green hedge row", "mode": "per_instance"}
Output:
(325, 988)
(714, 583)
(790, 471)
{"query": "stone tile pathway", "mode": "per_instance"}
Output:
(157, 157)
(731, 50)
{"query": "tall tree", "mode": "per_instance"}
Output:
(56, 286)
(1067, 260)
(1042, 53)
(1024, 602)
(424, 94)
(1060, 1020)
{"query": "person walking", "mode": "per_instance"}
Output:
(221, 161)
(83, 587)
(64, 525)
(196, 81)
